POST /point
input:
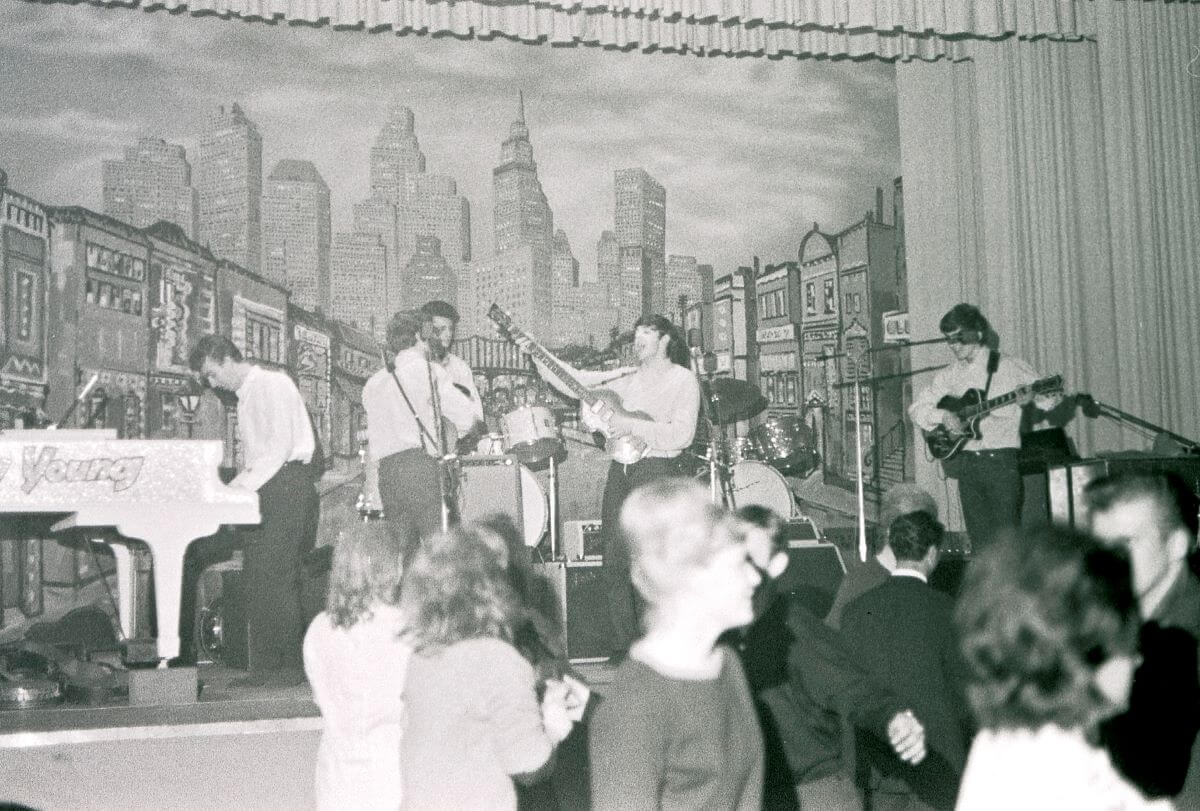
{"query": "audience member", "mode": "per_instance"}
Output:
(539, 637)
(1154, 517)
(902, 633)
(808, 691)
(472, 718)
(355, 662)
(899, 500)
(676, 728)
(1048, 624)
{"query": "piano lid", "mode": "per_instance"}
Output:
(74, 470)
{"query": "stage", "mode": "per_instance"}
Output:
(237, 747)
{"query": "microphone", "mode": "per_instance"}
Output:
(78, 399)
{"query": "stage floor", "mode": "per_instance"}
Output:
(237, 747)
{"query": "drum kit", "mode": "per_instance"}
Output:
(530, 436)
(750, 469)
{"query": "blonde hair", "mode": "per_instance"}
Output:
(671, 528)
(366, 569)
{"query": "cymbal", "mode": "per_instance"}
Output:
(735, 400)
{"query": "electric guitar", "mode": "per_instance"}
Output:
(970, 408)
(604, 404)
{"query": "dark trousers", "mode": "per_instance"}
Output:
(624, 605)
(991, 491)
(271, 572)
(411, 499)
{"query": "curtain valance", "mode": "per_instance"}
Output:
(887, 29)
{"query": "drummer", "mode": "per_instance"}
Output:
(439, 321)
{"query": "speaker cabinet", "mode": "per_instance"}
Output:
(1068, 503)
(221, 631)
(813, 574)
(582, 600)
(490, 484)
(581, 540)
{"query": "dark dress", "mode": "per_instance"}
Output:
(661, 742)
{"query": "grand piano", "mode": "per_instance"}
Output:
(162, 492)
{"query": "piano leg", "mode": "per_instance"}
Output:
(123, 557)
(168, 591)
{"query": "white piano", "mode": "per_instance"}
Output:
(164, 492)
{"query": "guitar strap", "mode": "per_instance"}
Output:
(423, 431)
(992, 366)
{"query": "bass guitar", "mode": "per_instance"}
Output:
(970, 408)
(604, 405)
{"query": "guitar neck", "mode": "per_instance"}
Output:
(970, 412)
(552, 363)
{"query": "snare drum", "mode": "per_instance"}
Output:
(535, 508)
(532, 434)
(756, 483)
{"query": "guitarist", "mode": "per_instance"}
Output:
(403, 435)
(989, 484)
(664, 389)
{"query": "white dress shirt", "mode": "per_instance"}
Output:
(273, 426)
(391, 427)
(1000, 428)
(1048, 769)
(461, 375)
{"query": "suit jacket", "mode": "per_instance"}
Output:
(1153, 742)
(902, 633)
(814, 692)
(858, 581)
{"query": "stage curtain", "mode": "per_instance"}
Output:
(888, 29)
(1057, 185)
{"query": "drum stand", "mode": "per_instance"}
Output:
(553, 498)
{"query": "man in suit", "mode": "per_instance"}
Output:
(809, 692)
(1154, 516)
(902, 633)
(899, 500)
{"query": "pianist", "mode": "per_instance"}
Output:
(277, 443)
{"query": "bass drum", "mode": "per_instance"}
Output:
(535, 508)
(757, 483)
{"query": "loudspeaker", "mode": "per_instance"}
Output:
(490, 484)
(581, 540)
(584, 605)
(1068, 504)
(813, 574)
(221, 631)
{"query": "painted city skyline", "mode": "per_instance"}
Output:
(744, 174)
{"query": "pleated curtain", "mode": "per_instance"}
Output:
(1057, 185)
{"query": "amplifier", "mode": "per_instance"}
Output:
(581, 540)
(221, 632)
(1066, 483)
(584, 604)
(490, 484)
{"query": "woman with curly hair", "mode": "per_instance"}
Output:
(355, 661)
(677, 727)
(473, 723)
(1048, 624)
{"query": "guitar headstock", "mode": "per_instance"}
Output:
(500, 317)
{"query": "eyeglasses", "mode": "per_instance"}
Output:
(960, 337)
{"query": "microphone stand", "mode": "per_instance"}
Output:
(75, 404)
(1093, 408)
(447, 461)
(717, 473)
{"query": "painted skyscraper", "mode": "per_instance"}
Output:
(519, 275)
(521, 213)
(296, 232)
(640, 219)
(405, 205)
(229, 187)
(359, 265)
(153, 182)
